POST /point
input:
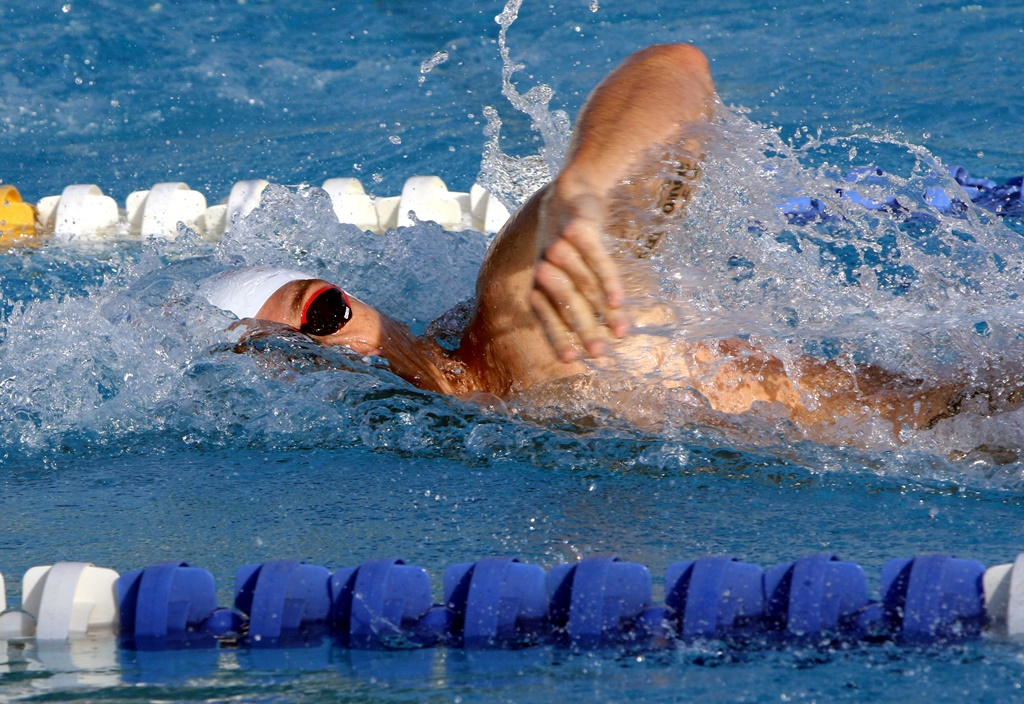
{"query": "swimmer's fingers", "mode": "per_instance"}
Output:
(575, 274)
(585, 281)
(584, 234)
(562, 310)
(555, 330)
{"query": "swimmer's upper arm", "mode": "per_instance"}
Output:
(659, 98)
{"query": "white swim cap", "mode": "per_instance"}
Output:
(244, 291)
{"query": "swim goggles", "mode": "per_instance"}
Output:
(326, 312)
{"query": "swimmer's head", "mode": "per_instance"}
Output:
(327, 315)
(287, 296)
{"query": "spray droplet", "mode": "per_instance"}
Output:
(435, 60)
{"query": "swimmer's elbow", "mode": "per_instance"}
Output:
(679, 54)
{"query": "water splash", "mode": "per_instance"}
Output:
(128, 355)
(138, 358)
(120, 352)
(510, 178)
(927, 292)
(413, 274)
(894, 263)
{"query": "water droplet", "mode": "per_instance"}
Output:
(435, 60)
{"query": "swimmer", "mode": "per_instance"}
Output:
(550, 293)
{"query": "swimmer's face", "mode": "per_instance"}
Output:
(319, 309)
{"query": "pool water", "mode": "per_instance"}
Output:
(131, 432)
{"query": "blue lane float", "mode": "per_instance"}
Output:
(496, 603)
(500, 603)
(381, 604)
(602, 601)
(820, 595)
(934, 598)
(1003, 199)
(715, 597)
(166, 605)
(283, 600)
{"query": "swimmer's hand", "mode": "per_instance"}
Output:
(577, 290)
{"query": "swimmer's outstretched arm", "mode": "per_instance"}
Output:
(655, 101)
(548, 279)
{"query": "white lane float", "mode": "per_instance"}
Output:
(1004, 598)
(83, 212)
(64, 601)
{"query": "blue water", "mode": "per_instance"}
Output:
(132, 434)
